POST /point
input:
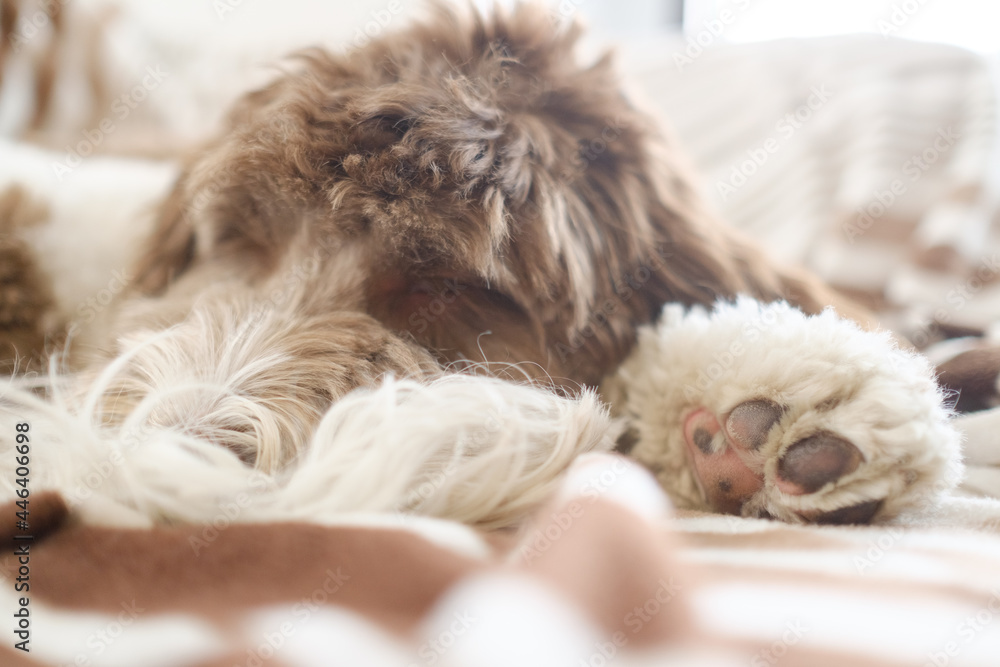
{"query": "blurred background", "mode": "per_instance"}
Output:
(857, 137)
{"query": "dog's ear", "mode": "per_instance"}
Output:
(170, 249)
(707, 260)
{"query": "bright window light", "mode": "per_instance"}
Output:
(972, 24)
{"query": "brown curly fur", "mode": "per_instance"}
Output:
(474, 150)
(25, 292)
(462, 186)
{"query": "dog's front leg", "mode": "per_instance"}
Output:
(760, 410)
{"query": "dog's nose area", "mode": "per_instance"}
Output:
(813, 462)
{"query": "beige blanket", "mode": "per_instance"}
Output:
(592, 581)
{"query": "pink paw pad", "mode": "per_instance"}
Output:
(729, 468)
(725, 479)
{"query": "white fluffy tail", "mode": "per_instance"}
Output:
(474, 449)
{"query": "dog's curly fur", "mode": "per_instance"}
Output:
(458, 196)
(461, 192)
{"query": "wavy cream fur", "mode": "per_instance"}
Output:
(475, 449)
(831, 375)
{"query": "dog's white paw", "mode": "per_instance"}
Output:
(761, 410)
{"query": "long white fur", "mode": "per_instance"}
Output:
(887, 402)
(474, 449)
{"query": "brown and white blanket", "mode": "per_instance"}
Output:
(601, 577)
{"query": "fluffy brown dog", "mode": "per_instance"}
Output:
(457, 196)
(461, 191)
(462, 177)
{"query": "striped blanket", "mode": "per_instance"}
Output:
(605, 575)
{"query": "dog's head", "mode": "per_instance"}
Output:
(480, 180)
